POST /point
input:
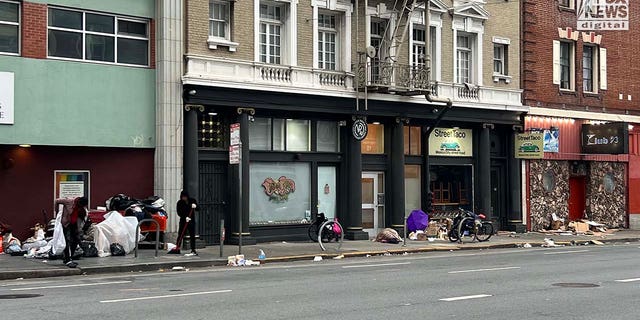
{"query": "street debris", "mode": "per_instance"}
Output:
(240, 261)
(549, 243)
(388, 235)
(339, 257)
(527, 245)
(317, 259)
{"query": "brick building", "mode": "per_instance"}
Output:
(298, 75)
(581, 87)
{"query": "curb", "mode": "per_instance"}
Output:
(156, 266)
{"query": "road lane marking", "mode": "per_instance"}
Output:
(566, 252)
(166, 296)
(376, 265)
(481, 270)
(72, 285)
(477, 296)
(628, 280)
(15, 284)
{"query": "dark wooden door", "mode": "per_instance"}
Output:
(498, 196)
(213, 200)
(577, 190)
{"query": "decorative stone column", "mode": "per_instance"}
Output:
(353, 219)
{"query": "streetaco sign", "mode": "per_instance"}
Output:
(529, 145)
(603, 14)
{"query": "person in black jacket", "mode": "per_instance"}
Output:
(185, 209)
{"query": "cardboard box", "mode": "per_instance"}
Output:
(581, 227)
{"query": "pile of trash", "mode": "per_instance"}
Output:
(110, 230)
(560, 226)
(420, 228)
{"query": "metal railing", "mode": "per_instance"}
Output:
(394, 76)
(138, 235)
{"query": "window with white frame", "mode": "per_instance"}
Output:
(419, 52)
(328, 40)
(567, 3)
(377, 30)
(500, 59)
(9, 27)
(97, 37)
(589, 68)
(271, 27)
(219, 24)
(464, 57)
(566, 65)
(433, 50)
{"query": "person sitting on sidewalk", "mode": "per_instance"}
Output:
(73, 213)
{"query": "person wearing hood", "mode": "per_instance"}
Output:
(185, 209)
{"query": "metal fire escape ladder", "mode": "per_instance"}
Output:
(399, 33)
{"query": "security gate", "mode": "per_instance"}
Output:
(213, 200)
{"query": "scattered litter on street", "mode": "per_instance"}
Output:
(338, 257)
(317, 258)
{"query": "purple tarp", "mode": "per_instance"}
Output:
(418, 220)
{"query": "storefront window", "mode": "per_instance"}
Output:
(412, 188)
(609, 182)
(280, 135)
(452, 186)
(548, 181)
(280, 193)
(412, 145)
(374, 142)
(327, 136)
(327, 191)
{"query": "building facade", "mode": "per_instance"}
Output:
(293, 81)
(581, 89)
(77, 84)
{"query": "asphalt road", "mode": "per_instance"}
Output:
(491, 284)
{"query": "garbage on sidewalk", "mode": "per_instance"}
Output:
(239, 261)
(585, 227)
(388, 235)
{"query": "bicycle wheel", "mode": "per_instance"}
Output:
(453, 234)
(328, 239)
(462, 227)
(485, 231)
(312, 231)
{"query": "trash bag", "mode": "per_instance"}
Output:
(117, 249)
(58, 242)
(115, 229)
(90, 251)
(418, 220)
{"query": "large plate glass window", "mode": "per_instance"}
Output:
(97, 37)
(9, 27)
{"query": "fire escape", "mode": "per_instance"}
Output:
(378, 68)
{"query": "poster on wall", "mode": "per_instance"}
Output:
(608, 138)
(529, 145)
(71, 184)
(603, 14)
(451, 142)
(552, 140)
(6, 97)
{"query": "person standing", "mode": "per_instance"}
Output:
(73, 212)
(185, 209)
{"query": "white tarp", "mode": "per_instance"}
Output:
(115, 229)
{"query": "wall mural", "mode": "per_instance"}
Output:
(547, 197)
(279, 190)
(606, 191)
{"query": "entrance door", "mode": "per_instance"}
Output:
(213, 200)
(498, 198)
(577, 190)
(371, 215)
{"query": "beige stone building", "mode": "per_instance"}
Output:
(329, 99)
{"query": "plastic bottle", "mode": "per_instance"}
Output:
(261, 256)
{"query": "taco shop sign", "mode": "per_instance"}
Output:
(529, 145)
(452, 142)
(603, 14)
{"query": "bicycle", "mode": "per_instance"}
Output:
(471, 224)
(325, 232)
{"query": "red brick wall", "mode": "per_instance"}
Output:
(34, 30)
(541, 20)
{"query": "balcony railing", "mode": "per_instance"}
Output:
(232, 72)
(388, 76)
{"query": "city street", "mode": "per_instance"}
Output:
(489, 284)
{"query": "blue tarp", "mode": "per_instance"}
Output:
(418, 220)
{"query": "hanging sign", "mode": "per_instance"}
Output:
(609, 138)
(449, 142)
(71, 184)
(603, 14)
(359, 129)
(234, 134)
(552, 140)
(234, 154)
(6, 97)
(529, 145)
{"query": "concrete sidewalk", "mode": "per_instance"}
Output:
(20, 267)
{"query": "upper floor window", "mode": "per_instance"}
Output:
(570, 4)
(589, 67)
(271, 25)
(464, 57)
(499, 59)
(327, 41)
(377, 30)
(97, 37)
(419, 52)
(9, 27)
(220, 24)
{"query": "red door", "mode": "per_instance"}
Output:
(577, 186)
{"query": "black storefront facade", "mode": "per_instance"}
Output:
(299, 157)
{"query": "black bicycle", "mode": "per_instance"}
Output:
(467, 223)
(325, 232)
